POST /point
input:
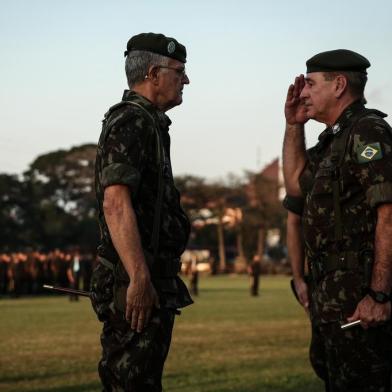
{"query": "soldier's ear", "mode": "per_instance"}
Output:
(341, 85)
(153, 74)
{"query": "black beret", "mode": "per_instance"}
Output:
(337, 60)
(157, 43)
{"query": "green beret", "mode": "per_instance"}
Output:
(337, 60)
(159, 44)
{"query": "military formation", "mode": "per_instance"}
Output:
(25, 273)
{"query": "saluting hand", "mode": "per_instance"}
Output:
(294, 108)
(141, 299)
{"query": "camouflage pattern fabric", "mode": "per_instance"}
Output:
(363, 185)
(354, 360)
(127, 155)
(131, 362)
(346, 359)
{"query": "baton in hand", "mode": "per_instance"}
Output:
(350, 325)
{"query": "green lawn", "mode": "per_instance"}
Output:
(226, 341)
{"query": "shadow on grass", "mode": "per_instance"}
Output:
(301, 385)
(30, 377)
(292, 383)
(223, 290)
(89, 387)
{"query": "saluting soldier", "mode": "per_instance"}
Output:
(341, 190)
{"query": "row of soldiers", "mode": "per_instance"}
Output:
(25, 273)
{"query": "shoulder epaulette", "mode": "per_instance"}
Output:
(116, 107)
(378, 113)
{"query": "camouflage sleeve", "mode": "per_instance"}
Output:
(294, 204)
(123, 149)
(306, 178)
(371, 152)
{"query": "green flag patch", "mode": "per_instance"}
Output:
(369, 152)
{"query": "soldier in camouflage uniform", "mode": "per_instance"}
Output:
(340, 196)
(135, 289)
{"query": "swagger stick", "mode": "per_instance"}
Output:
(350, 325)
(67, 291)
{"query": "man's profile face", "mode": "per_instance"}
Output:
(171, 83)
(318, 96)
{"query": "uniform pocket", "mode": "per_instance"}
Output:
(101, 289)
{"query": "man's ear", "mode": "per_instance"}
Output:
(341, 85)
(153, 74)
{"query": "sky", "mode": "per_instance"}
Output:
(62, 67)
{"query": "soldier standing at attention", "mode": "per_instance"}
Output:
(342, 190)
(135, 288)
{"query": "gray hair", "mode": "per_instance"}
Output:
(138, 62)
(356, 82)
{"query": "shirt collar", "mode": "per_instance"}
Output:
(163, 120)
(343, 120)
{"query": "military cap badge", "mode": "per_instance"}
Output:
(171, 47)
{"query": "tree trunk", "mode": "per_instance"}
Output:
(221, 245)
(240, 245)
(240, 264)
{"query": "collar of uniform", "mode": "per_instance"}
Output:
(325, 134)
(163, 120)
(342, 121)
(345, 118)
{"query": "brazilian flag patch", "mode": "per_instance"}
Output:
(370, 152)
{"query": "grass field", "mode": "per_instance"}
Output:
(227, 341)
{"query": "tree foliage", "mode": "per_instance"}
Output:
(52, 205)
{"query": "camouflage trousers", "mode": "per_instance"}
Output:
(131, 361)
(354, 360)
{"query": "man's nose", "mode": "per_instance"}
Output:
(185, 79)
(304, 92)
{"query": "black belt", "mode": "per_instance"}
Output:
(160, 269)
(323, 265)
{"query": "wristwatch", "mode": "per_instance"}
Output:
(378, 296)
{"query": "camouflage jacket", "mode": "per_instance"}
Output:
(127, 155)
(364, 181)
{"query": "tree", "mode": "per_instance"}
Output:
(208, 204)
(265, 210)
(14, 213)
(61, 187)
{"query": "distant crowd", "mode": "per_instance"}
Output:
(25, 273)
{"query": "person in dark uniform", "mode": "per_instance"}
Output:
(4, 274)
(135, 289)
(74, 266)
(340, 193)
(254, 271)
(194, 276)
(87, 260)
